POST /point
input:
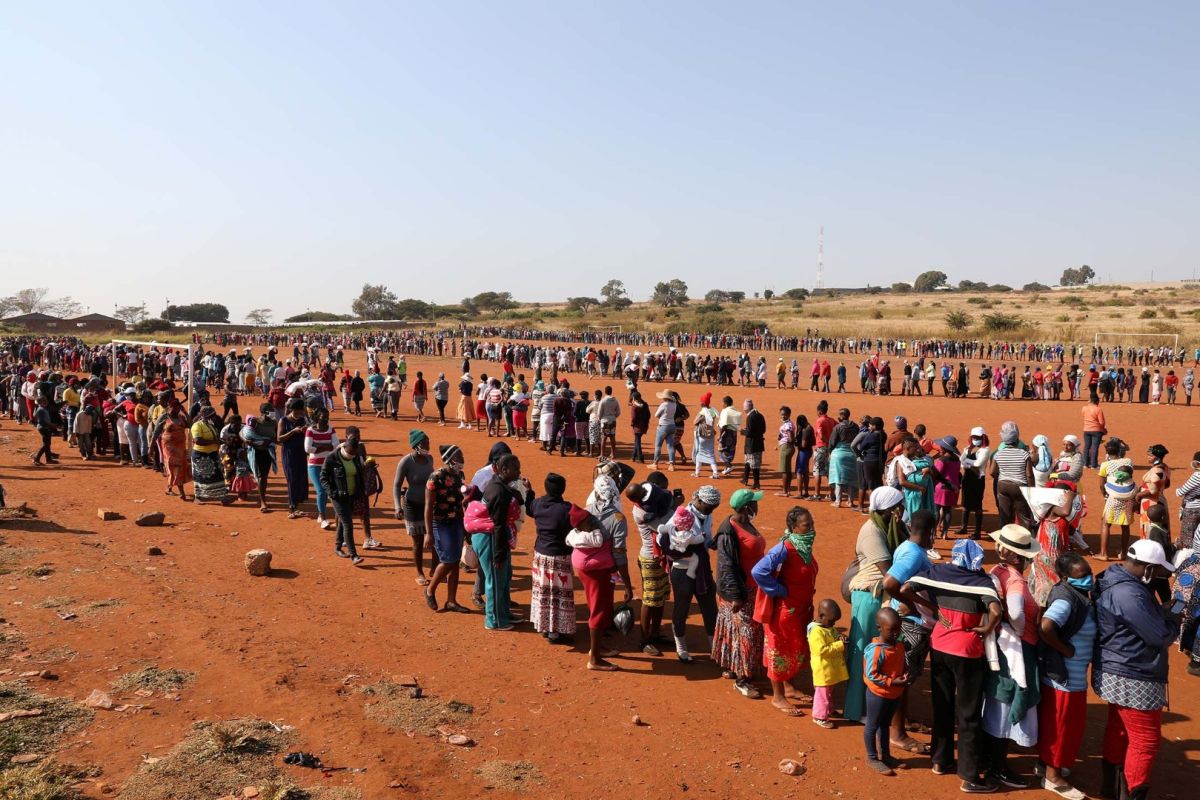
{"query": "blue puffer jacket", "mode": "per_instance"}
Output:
(1133, 637)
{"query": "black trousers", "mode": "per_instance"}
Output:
(957, 689)
(684, 589)
(1011, 505)
(344, 509)
(47, 438)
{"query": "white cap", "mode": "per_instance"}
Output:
(1147, 551)
(977, 431)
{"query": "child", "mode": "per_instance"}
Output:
(82, 426)
(885, 677)
(828, 648)
(945, 494)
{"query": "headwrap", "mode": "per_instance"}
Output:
(709, 495)
(967, 554)
(605, 493)
(706, 399)
(803, 543)
(902, 423)
(885, 497)
(449, 452)
(577, 516)
(1042, 450)
(1009, 433)
(415, 437)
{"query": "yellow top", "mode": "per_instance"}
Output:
(828, 656)
(205, 438)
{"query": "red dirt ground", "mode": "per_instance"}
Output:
(282, 647)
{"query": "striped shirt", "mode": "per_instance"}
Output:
(318, 445)
(1190, 491)
(1011, 463)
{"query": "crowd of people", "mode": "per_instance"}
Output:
(1009, 650)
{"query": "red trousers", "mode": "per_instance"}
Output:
(1132, 738)
(598, 589)
(1061, 718)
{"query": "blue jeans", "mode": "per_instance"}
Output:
(496, 578)
(1091, 449)
(314, 477)
(665, 433)
(637, 446)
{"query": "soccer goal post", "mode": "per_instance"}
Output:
(185, 370)
(1128, 340)
(604, 328)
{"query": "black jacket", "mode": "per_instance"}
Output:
(756, 430)
(333, 476)
(731, 577)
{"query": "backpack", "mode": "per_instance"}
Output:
(372, 482)
(704, 428)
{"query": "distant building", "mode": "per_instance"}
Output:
(36, 323)
(95, 322)
(44, 323)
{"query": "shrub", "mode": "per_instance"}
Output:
(877, 314)
(1002, 323)
(1148, 313)
(958, 321)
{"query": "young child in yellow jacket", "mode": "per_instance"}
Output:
(828, 655)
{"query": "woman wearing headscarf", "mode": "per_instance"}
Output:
(548, 420)
(843, 466)
(738, 639)
(968, 609)
(552, 603)
(1068, 637)
(1054, 539)
(974, 461)
(207, 475)
(685, 541)
(1118, 490)
(1012, 469)
(704, 436)
(1043, 460)
(174, 445)
(408, 503)
(880, 535)
(1069, 464)
(1011, 694)
(596, 574)
(786, 576)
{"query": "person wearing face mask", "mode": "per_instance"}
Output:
(1068, 637)
(691, 570)
(974, 461)
(495, 548)
(1011, 695)
(443, 516)
(413, 471)
(1130, 672)
(786, 576)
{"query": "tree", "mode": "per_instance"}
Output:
(259, 316)
(375, 302)
(131, 315)
(928, 281)
(582, 304)
(768, 294)
(494, 301)
(412, 308)
(35, 301)
(999, 287)
(1077, 277)
(196, 312)
(1035, 287)
(958, 321)
(901, 288)
(670, 293)
(972, 286)
(614, 295)
(716, 296)
(796, 294)
(319, 316)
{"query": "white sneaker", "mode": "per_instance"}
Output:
(1064, 790)
(933, 554)
(370, 544)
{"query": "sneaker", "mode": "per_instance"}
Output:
(370, 544)
(1008, 779)
(933, 554)
(747, 689)
(1063, 790)
(971, 787)
(880, 767)
(651, 650)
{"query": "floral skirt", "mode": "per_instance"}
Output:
(552, 604)
(738, 639)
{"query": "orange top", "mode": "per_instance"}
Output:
(1093, 419)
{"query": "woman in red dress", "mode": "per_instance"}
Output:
(738, 638)
(786, 578)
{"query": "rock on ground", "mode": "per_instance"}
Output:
(151, 519)
(258, 562)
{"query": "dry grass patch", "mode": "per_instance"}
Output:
(45, 781)
(216, 758)
(394, 706)
(510, 776)
(103, 605)
(56, 602)
(154, 679)
(37, 734)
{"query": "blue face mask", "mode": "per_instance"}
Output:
(1082, 584)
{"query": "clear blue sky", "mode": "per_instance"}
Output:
(281, 154)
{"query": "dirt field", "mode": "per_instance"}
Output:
(327, 648)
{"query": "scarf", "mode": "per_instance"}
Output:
(802, 542)
(605, 494)
(895, 532)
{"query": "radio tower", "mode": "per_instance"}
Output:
(821, 259)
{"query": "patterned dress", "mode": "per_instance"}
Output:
(784, 606)
(738, 638)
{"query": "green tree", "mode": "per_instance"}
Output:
(928, 281)
(768, 294)
(901, 288)
(375, 302)
(717, 296)
(614, 295)
(131, 315)
(670, 293)
(319, 316)
(796, 294)
(196, 312)
(972, 286)
(958, 321)
(582, 304)
(1035, 287)
(494, 302)
(259, 316)
(1077, 276)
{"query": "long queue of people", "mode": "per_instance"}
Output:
(1009, 663)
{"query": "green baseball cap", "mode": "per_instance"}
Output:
(743, 496)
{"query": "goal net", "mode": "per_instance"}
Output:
(604, 328)
(128, 359)
(1137, 340)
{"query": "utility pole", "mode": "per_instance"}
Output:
(821, 258)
